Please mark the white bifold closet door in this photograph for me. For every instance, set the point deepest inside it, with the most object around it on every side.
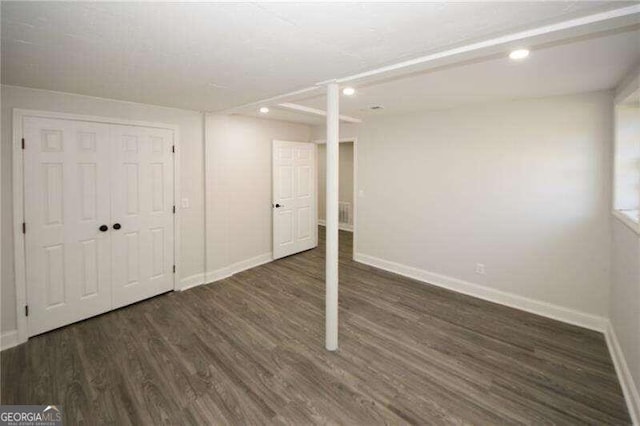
(80, 176)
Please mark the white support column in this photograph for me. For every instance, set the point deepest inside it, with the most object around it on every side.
(331, 276)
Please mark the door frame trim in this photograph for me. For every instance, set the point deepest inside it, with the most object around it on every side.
(18, 197)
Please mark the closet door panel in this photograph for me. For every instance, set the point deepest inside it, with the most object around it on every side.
(67, 200)
(142, 206)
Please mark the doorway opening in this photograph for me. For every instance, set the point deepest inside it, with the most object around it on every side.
(346, 192)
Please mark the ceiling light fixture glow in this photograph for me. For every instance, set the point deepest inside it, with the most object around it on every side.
(264, 110)
(519, 54)
(348, 91)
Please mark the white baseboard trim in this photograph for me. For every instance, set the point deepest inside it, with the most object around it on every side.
(192, 281)
(341, 226)
(560, 313)
(629, 387)
(8, 339)
(237, 267)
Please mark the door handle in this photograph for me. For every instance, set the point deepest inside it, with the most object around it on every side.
(277, 206)
(116, 226)
(103, 228)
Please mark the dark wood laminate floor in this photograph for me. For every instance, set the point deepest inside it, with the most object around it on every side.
(249, 350)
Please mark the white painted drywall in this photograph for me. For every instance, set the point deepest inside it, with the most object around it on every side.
(347, 131)
(191, 158)
(238, 186)
(345, 183)
(522, 187)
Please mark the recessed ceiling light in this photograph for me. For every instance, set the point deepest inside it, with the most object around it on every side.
(264, 110)
(349, 91)
(519, 54)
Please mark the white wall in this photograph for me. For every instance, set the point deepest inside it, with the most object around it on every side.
(522, 187)
(345, 184)
(347, 131)
(191, 158)
(238, 188)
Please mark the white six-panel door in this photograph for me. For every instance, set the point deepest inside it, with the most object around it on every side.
(66, 187)
(294, 198)
(142, 204)
(80, 176)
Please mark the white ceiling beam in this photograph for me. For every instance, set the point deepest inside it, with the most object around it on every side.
(565, 29)
(315, 111)
(272, 100)
(503, 41)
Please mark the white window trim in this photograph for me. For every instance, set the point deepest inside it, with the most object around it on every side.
(627, 220)
(626, 88)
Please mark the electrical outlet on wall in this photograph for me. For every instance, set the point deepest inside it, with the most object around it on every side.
(480, 268)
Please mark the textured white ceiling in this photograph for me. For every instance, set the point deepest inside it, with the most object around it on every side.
(208, 56)
(590, 64)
